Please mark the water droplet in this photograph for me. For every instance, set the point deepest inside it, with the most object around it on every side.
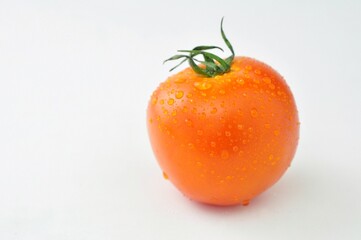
(229, 177)
(203, 85)
(191, 145)
(267, 80)
(249, 68)
(257, 71)
(170, 101)
(267, 125)
(179, 94)
(272, 86)
(235, 148)
(244, 141)
(188, 122)
(189, 95)
(200, 132)
(254, 113)
(270, 157)
(185, 109)
(174, 112)
(180, 80)
(151, 120)
(227, 133)
(240, 126)
(161, 101)
(165, 176)
(214, 110)
(225, 154)
(245, 202)
(213, 144)
(222, 91)
(154, 100)
(240, 81)
(276, 132)
(199, 164)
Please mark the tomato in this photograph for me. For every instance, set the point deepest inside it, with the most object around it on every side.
(224, 139)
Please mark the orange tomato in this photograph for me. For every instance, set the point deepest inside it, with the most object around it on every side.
(224, 140)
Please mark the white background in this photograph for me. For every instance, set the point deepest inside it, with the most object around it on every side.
(75, 79)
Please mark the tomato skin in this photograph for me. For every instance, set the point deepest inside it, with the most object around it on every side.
(224, 140)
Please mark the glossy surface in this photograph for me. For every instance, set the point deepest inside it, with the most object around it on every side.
(226, 139)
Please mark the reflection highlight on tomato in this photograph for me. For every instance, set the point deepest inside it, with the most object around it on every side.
(225, 130)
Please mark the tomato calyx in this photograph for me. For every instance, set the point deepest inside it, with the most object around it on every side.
(213, 64)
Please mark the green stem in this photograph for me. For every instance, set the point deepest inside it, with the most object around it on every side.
(214, 65)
